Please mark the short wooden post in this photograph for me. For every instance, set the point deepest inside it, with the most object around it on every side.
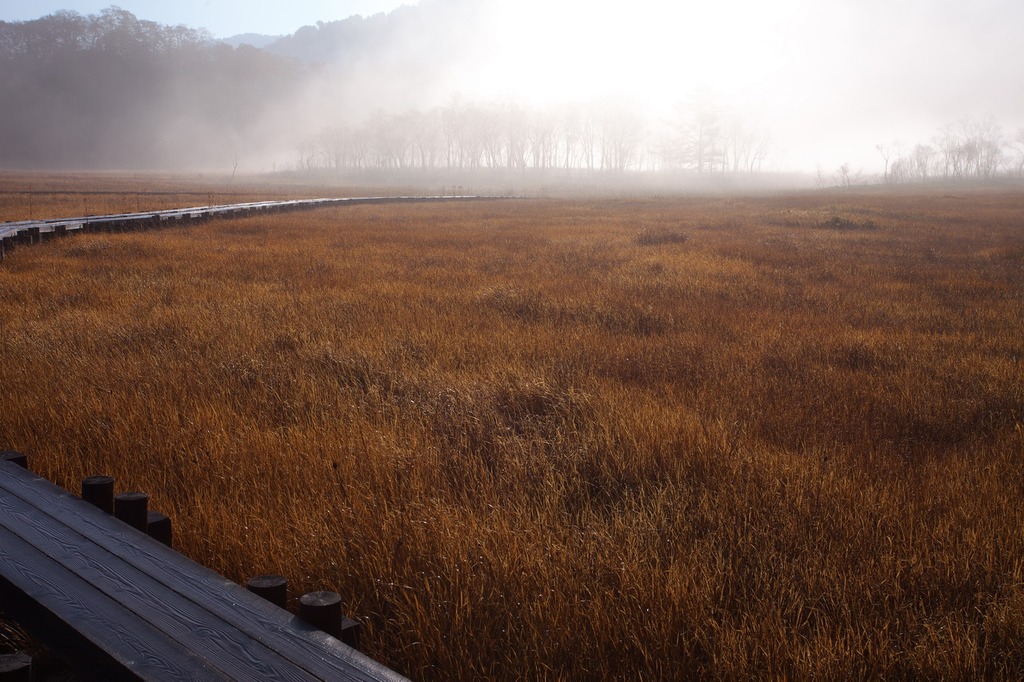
(99, 492)
(350, 630)
(159, 527)
(14, 457)
(15, 667)
(322, 610)
(132, 509)
(60, 230)
(273, 588)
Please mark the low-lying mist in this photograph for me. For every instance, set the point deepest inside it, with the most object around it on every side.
(456, 91)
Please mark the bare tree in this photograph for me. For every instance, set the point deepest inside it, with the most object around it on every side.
(620, 134)
(1017, 145)
(843, 178)
(923, 155)
(972, 147)
(886, 153)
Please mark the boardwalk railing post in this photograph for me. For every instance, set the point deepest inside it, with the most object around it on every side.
(132, 509)
(273, 588)
(159, 527)
(322, 610)
(99, 492)
(15, 457)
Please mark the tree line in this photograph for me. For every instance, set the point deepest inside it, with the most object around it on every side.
(969, 148)
(602, 135)
(113, 90)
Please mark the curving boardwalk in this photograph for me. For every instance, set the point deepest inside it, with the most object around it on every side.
(25, 232)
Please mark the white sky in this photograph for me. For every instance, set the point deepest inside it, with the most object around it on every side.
(223, 18)
(829, 78)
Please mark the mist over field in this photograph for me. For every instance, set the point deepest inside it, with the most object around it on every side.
(841, 92)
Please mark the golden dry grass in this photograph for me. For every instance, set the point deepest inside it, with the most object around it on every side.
(668, 438)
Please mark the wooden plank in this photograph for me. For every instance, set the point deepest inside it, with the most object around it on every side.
(274, 628)
(43, 596)
(173, 614)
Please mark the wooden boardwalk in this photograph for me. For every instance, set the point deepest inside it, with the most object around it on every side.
(121, 605)
(33, 231)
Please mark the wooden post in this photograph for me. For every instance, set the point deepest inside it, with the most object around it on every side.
(15, 457)
(159, 527)
(99, 491)
(60, 230)
(322, 610)
(273, 588)
(132, 509)
(350, 630)
(15, 668)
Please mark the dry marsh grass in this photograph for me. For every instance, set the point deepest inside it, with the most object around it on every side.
(669, 438)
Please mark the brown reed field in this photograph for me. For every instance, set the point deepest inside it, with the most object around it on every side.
(661, 438)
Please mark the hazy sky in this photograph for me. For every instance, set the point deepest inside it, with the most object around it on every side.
(857, 72)
(223, 18)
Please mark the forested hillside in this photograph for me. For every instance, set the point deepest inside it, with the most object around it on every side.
(112, 90)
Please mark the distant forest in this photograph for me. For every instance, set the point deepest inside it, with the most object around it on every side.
(112, 90)
(367, 96)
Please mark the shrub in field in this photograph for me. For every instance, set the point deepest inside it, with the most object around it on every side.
(845, 224)
(658, 236)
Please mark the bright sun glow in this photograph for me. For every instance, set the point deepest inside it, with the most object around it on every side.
(654, 53)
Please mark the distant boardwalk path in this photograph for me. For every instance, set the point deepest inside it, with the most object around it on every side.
(23, 232)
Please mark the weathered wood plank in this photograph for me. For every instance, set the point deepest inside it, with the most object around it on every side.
(150, 601)
(155, 569)
(45, 597)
